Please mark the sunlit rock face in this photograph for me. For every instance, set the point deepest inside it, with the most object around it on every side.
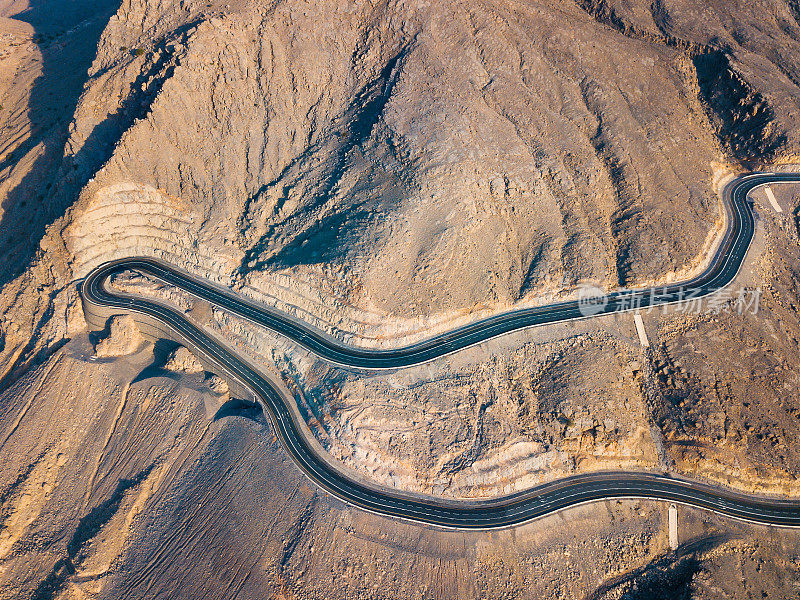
(386, 171)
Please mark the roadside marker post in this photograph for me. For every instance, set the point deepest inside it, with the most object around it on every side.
(637, 318)
(673, 527)
(772, 199)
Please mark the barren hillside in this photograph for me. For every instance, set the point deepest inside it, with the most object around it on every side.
(384, 170)
(384, 163)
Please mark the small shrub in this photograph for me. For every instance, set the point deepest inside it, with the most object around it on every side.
(137, 51)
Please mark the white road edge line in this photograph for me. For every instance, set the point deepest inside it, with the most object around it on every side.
(637, 318)
(772, 199)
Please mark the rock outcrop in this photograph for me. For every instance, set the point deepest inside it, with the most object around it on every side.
(183, 361)
(123, 338)
(218, 385)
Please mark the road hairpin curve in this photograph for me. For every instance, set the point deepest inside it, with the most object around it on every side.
(100, 302)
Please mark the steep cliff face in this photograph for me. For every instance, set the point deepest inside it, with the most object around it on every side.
(402, 160)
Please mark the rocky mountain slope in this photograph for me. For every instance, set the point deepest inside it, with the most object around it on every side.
(137, 490)
(394, 162)
(385, 169)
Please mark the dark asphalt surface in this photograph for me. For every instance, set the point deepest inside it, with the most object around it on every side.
(483, 514)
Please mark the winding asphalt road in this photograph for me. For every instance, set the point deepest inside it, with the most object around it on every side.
(483, 514)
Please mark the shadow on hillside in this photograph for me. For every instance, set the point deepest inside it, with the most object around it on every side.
(67, 34)
(667, 577)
